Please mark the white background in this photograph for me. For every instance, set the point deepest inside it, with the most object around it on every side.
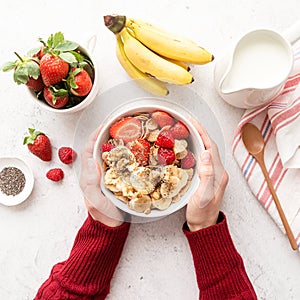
(156, 263)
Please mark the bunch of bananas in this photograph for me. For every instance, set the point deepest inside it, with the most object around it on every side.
(152, 56)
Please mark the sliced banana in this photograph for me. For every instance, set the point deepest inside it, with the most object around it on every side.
(174, 180)
(122, 161)
(140, 204)
(185, 188)
(144, 180)
(153, 156)
(180, 148)
(161, 203)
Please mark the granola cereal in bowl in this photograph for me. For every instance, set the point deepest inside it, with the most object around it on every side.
(148, 154)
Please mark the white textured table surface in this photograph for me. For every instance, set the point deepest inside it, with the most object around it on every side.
(156, 263)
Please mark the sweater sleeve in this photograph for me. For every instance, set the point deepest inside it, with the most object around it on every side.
(219, 268)
(87, 273)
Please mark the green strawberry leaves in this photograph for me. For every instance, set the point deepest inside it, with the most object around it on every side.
(32, 136)
(25, 70)
(57, 42)
(66, 46)
(58, 46)
(34, 51)
(33, 69)
(68, 57)
(83, 61)
(57, 93)
(55, 39)
(24, 67)
(8, 66)
(71, 78)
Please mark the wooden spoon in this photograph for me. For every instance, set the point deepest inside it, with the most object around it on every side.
(254, 143)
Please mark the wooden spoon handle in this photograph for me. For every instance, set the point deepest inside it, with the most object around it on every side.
(285, 223)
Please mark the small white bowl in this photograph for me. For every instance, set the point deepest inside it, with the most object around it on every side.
(85, 102)
(150, 105)
(25, 193)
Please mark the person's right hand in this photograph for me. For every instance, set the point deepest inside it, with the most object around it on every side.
(100, 208)
(204, 206)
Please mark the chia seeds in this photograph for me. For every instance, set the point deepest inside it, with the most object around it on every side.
(12, 181)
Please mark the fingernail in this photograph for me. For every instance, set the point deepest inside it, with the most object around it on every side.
(205, 156)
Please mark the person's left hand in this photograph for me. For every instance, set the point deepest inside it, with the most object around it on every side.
(100, 208)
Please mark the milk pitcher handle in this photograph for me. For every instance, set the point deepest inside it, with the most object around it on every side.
(292, 34)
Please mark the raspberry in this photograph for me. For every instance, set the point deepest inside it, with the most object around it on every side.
(165, 156)
(188, 161)
(56, 174)
(107, 147)
(67, 155)
(165, 139)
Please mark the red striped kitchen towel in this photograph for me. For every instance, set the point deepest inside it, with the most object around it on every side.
(279, 122)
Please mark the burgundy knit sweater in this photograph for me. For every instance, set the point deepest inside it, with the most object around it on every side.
(87, 273)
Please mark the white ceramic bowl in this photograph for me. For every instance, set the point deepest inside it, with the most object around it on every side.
(25, 193)
(150, 105)
(87, 100)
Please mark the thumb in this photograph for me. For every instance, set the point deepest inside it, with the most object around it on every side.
(206, 174)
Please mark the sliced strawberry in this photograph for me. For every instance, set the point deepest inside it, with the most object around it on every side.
(141, 150)
(162, 118)
(165, 156)
(165, 139)
(179, 131)
(188, 161)
(107, 147)
(127, 129)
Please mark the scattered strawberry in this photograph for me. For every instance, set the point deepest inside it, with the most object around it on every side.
(141, 150)
(188, 161)
(56, 98)
(56, 174)
(179, 131)
(53, 69)
(127, 129)
(38, 144)
(165, 139)
(79, 82)
(107, 147)
(162, 118)
(165, 156)
(67, 155)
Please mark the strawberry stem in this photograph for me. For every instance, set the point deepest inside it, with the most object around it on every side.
(19, 57)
